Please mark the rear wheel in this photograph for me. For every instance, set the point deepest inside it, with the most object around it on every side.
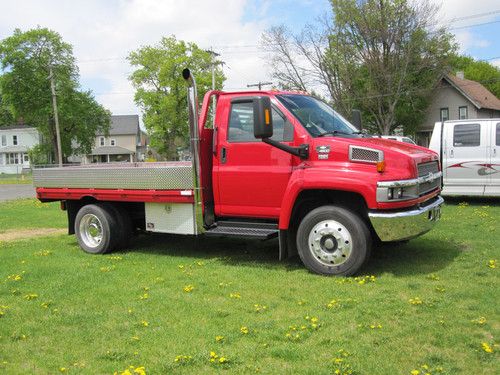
(332, 240)
(96, 229)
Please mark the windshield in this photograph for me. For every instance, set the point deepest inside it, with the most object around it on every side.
(317, 117)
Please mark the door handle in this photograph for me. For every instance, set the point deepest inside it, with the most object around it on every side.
(451, 153)
(494, 152)
(223, 155)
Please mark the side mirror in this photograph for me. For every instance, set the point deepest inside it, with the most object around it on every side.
(356, 119)
(262, 117)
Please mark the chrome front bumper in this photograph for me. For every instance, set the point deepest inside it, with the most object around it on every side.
(404, 225)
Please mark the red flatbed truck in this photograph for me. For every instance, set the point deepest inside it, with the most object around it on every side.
(276, 164)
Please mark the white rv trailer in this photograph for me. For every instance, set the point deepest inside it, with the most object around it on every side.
(470, 156)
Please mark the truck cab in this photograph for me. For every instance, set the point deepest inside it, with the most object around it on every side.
(275, 164)
(470, 155)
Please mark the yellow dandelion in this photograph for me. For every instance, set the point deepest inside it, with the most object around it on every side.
(188, 288)
(415, 301)
(30, 296)
(492, 263)
(145, 323)
(244, 330)
(486, 347)
(219, 338)
(234, 295)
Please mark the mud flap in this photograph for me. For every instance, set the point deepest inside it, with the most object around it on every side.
(283, 244)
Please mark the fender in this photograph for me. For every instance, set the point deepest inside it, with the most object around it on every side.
(354, 181)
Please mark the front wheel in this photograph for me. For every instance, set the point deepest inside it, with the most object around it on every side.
(333, 240)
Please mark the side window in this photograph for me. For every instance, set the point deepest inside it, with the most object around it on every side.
(466, 135)
(282, 128)
(498, 134)
(4, 140)
(241, 123)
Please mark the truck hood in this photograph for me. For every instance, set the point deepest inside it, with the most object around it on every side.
(401, 158)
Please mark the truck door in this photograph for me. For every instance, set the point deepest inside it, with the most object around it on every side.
(251, 176)
(466, 158)
(493, 188)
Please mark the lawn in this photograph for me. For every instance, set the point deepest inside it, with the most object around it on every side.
(178, 305)
(15, 179)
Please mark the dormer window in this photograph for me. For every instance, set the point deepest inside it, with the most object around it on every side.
(14, 140)
(112, 142)
(102, 141)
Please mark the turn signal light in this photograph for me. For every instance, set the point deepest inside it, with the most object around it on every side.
(381, 166)
(267, 116)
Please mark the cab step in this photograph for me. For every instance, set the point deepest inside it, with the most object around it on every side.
(242, 229)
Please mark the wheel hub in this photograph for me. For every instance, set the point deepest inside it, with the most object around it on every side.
(330, 243)
(91, 230)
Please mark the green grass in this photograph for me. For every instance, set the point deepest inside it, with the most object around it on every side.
(7, 179)
(94, 314)
(30, 213)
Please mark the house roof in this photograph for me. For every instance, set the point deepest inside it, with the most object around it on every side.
(16, 126)
(479, 95)
(13, 149)
(111, 150)
(124, 125)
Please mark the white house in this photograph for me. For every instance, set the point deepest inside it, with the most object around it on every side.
(125, 143)
(15, 141)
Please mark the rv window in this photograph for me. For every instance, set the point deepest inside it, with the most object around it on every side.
(498, 134)
(466, 135)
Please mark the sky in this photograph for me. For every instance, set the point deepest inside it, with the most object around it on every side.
(103, 33)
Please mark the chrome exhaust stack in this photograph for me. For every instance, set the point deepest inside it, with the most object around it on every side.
(195, 149)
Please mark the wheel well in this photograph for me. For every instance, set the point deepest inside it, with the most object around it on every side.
(310, 199)
(134, 209)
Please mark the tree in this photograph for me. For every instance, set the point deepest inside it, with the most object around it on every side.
(381, 56)
(481, 71)
(161, 90)
(26, 58)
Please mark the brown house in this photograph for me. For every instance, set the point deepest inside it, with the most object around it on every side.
(457, 98)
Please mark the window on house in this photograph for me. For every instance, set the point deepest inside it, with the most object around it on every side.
(444, 114)
(26, 158)
(102, 141)
(14, 140)
(466, 135)
(12, 158)
(463, 113)
(112, 142)
(4, 140)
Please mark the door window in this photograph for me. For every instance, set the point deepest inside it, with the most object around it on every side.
(241, 125)
(466, 135)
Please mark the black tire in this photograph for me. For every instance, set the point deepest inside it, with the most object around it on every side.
(124, 224)
(331, 249)
(94, 221)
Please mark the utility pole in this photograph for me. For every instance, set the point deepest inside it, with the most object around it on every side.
(213, 63)
(260, 84)
(56, 118)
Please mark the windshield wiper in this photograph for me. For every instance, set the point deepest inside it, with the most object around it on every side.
(333, 132)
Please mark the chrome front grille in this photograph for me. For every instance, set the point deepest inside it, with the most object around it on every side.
(424, 170)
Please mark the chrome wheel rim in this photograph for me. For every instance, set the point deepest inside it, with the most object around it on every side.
(91, 230)
(330, 243)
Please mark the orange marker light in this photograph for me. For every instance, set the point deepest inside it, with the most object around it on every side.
(381, 166)
(267, 117)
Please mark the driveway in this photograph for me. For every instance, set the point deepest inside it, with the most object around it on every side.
(16, 191)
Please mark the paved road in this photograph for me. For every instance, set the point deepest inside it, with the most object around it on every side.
(15, 191)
